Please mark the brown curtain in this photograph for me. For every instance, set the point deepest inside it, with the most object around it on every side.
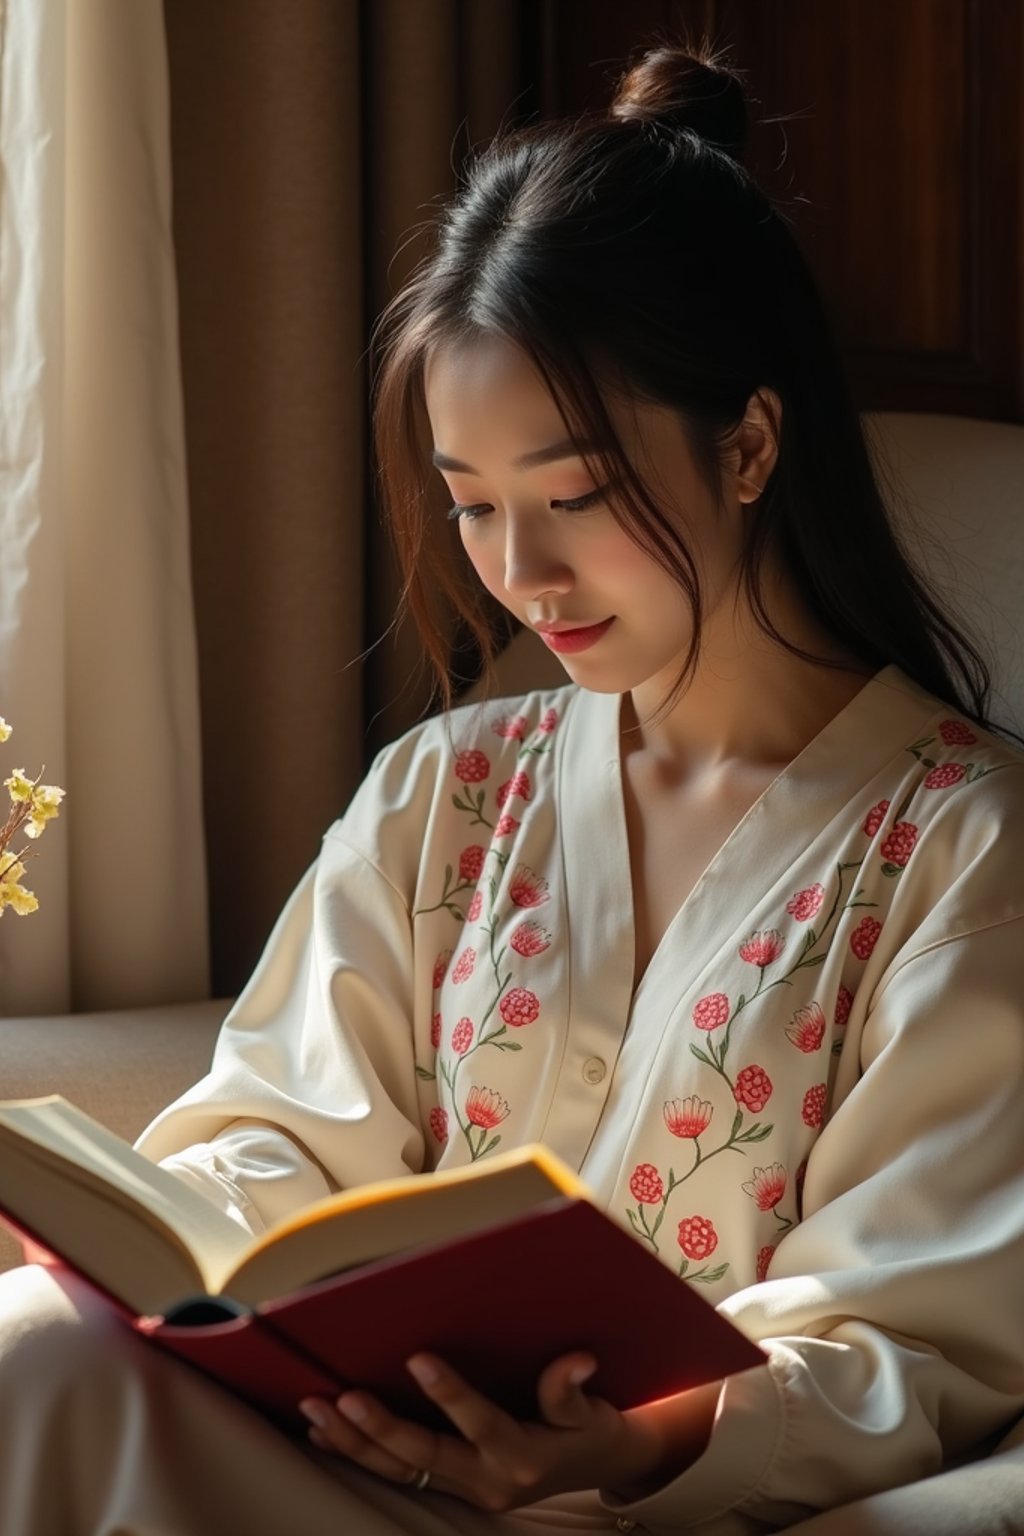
(309, 138)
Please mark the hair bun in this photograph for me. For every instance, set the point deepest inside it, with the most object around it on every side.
(683, 88)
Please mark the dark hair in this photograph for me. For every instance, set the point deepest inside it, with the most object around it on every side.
(692, 294)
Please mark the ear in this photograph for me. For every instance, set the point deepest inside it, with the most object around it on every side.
(757, 444)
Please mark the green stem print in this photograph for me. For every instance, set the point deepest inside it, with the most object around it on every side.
(480, 871)
(452, 887)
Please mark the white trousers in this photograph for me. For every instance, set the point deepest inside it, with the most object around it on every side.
(102, 1434)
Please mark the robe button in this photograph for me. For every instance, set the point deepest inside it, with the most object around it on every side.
(594, 1070)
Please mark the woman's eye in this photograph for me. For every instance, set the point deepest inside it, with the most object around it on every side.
(469, 514)
(582, 503)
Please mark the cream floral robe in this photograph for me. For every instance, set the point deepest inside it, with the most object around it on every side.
(811, 1107)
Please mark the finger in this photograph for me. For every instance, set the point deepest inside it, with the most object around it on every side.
(560, 1395)
(482, 1422)
(343, 1433)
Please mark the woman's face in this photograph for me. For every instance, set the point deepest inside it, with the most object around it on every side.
(538, 526)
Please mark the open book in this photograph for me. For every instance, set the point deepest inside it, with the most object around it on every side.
(498, 1267)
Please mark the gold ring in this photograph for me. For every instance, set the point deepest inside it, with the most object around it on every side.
(420, 1480)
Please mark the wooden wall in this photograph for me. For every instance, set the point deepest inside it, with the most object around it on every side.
(892, 133)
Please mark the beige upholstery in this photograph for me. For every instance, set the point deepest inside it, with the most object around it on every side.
(120, 1067)
(964, 517)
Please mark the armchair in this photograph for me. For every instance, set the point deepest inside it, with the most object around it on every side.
(964, 481)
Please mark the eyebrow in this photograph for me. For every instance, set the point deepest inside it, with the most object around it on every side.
(566, 449)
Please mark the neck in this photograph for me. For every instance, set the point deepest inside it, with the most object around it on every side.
(751, 704)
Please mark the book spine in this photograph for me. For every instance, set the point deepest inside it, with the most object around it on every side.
(248, 1356)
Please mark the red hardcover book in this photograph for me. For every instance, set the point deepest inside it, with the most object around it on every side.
(498, 1268)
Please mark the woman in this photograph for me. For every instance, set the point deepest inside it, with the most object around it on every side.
(747, 885)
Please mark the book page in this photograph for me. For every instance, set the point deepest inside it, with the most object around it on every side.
(64, 1176)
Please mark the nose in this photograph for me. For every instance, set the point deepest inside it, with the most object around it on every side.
(534, 562)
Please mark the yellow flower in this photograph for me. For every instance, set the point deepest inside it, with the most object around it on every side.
(35, 805)
(17, 897)
(19, 785)
(10, 869)
(13, 894)
(46, 800)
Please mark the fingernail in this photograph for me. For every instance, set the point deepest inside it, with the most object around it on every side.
(353, 1408)
(314, 1413)
(582, 1373)
(425, 1372)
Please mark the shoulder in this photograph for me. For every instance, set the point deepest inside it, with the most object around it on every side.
(476, 751)
(957, 838)
(474, 742)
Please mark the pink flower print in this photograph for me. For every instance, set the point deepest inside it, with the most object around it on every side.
(530, 938)
(486, 1108)
(844, 1002)
(646, 1184)
(435, 1031)
(471, 862)
(753, 1088)
(472, 767)
(527, 889)
(807, 1030)
(475, 906)
(439, 1124)
(764, 1258)
(945, 775)
(807, 903)
(688, 1118)
(462, 1036)
(548, 721)
(767, 1187)
(441, 967)
(519, 784)
(875, 817)
(697, 1237)
(956, 734)
(711, 1011)
(506, 826)
(512, 727)
(464, 965)
(519, 1007)
(762, 947)
(812, 1112)
(899, 845)
(865, 936)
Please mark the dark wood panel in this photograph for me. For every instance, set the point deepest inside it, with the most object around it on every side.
(587, 43)
(891, 133)
(878, 146)
(909, 150)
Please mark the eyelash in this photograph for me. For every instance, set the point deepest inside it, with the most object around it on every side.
(576, 504)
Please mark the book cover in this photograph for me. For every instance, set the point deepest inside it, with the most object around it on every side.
(499, 1306)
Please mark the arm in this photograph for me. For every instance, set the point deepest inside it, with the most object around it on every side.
(312, 1086)
(892, 1312)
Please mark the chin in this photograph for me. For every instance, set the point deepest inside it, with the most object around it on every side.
(600, 679)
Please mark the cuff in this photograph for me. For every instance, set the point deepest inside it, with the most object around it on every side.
(199, 1167)
(709, 1496)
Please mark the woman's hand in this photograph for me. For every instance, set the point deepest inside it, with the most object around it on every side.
(498, 1463)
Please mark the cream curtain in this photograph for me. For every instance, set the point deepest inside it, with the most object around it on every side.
(97, 656)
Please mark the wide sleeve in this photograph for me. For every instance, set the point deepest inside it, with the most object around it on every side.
(312, 1086)
(892, 1315)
